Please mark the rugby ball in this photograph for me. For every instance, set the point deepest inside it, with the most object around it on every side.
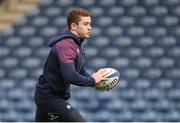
(110, 81)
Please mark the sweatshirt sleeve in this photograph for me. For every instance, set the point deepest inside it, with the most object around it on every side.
(84, 72)
(67, 53)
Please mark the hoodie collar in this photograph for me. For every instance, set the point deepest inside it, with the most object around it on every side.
(66, 34)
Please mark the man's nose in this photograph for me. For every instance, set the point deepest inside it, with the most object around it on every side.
(89, 27)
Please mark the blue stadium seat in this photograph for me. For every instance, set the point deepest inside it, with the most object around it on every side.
(159, 11)
(27, 31)
(24, 106)
(40, 21)
(125, 116)
(20, 21)
(148, 21)
(110, 52)
(149, 116)
(104, 21)
(127, 2)
(163, 106)
(59, 21)
(128, 95)
(114, 31)
(23, 52)
(151, 2)
(96, 11)
(52, 12)
(2, 73)
(90, 52)
(125, 21)
(131, 73)
(172, 116)
(31, 62)
(165, 84)
(137, 11)
(155, 52)
(35, 42)
(152, 95)
(97, 63)
(142, 83)
(103, 116)
(174, 95)
(4, 51)
(18, 73)
(7, 84)
(120, 63)
(174, 52)
(28, 84)
(13, 41)
(10, 116)
(42, 52)
(122, 42)
(86, 3)
(64, 3)
(4, 106)
(16, 95)
(176, 11)
(115, 106)
(116, 11)
(142, 63)
(152, 73)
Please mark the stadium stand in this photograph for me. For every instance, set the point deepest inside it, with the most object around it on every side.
(137, 37)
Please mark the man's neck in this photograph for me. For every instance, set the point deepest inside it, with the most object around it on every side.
(74, 33)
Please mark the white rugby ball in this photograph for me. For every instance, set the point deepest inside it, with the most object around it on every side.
(110, 81)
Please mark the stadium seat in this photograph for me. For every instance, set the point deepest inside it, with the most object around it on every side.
(127, 2)
(4, 106)
(126, 21)
(165, 83)
(10, 116)
(4, 51)
(115, 106)
(23, 52)
(149, 116)
(18, 73)
(39, 21)
(174, 95)
(139, 105)
(16, 95)
(148, 21)
(35, 42)
(152, 94)
(64, 3)
(110, 52)
(24, 106)
(125, 116)
(13, 41)
(122, 42)
(142, 83)
(115, 11)
(172, 116)
(137, 11)
(120, 63)
(7, 84)
(96, 11)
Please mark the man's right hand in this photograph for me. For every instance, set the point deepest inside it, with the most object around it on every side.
(100, 75)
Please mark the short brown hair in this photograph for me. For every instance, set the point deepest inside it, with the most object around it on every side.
(75, 14)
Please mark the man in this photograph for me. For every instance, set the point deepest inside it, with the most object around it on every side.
(64, 66)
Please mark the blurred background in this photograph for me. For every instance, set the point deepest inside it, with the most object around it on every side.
(140, 38)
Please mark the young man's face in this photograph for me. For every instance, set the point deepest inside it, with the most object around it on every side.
(83, 28)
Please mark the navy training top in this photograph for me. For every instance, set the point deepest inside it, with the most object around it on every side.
(64, 66)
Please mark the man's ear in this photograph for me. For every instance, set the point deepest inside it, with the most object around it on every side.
(73, 26)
